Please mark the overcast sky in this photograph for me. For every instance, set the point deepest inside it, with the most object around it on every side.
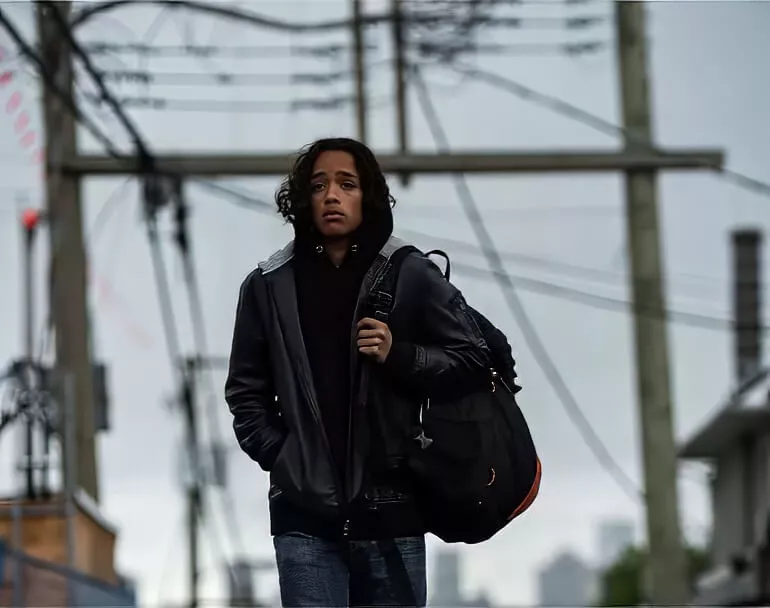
(710, 86)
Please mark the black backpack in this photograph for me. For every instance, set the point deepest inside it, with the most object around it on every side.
(474, 458)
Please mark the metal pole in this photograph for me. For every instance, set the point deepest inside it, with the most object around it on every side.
(193, 491)
(667, 567)
(18, 546)
(29, 225)
(28, 263)
(359, 68)
(399, 60)
(69, 438)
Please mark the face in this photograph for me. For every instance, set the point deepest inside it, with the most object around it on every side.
(336, 197)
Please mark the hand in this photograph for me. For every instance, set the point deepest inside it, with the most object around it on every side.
(374, 339)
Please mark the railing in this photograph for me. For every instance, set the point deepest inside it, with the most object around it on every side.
(31, 582)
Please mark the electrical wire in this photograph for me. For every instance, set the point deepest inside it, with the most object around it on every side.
(153, 196)
(527, 328)
(110, 204)
(149, 103)
(569, 110)
(50, 82)
(255, 19)
(197, 318)
(206, 51)
(138, 141)
(427, 48)
(145, 77)
(595, 300)
(524, 283)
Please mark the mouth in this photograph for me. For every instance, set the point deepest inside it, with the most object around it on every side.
(333, 215)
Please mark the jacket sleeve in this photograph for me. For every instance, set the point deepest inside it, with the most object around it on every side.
(249, 388)
(453, 354)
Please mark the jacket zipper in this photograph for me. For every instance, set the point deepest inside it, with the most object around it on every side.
(363, 292)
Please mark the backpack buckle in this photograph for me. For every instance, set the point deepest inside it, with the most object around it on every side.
(425, 442)
(384, 298)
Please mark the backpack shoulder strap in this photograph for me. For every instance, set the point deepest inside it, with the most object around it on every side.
(442, 254)
(384, 288)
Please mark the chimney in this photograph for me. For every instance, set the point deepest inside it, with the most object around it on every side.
(747, 302)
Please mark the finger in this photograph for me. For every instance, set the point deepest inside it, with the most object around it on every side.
(368, 322)
(372, 333)
(369, 342)
(368, 350)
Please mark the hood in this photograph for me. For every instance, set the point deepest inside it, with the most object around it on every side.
(371, 236)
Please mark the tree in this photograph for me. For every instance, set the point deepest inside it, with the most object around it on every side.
(622, 584)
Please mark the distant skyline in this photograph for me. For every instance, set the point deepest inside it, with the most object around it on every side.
(614, 537)
(567, 580)
(708, 61)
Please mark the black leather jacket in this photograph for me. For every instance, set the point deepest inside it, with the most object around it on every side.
(270, 392)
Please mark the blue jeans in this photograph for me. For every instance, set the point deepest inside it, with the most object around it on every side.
(316, 573)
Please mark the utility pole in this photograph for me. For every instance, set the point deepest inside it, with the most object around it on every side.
(68, 296)
(359, 68)
(30, 222)
(189, 372)
(667, 567)
(399, 61)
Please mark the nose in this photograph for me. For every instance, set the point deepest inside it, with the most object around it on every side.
(332, 194)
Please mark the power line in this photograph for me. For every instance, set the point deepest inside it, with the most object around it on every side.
(595, 300)
(150, 103)
(106, 95)
(530, 334)
(595, 122)
(197, 319)
(50, 82)
(333, 51)
(154, 198)
(451, 50)
(540, 286)
(255, 19)
(207, 51)
(146, 77)
(109, 205)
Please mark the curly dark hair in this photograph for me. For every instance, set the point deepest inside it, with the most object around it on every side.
(293, 196)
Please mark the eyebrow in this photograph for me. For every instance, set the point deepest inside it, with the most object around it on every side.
(318, 174)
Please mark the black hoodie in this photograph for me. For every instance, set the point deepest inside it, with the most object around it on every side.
(327, 297)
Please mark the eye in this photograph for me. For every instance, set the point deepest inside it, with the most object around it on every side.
(317, 187)
(349, 185)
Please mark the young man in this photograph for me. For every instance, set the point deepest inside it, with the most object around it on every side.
(326, 398)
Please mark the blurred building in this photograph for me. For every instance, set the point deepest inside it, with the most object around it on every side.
(446, 579)
(615, 536)
(446, 584)
(242, 582)
(736, 443)
(566, 581)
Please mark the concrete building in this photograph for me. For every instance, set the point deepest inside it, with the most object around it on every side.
(567, 581)
(736, 443)
(615, 536)
(446, 584)
(446, 580)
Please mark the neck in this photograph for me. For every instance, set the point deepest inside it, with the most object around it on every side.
(336, 249)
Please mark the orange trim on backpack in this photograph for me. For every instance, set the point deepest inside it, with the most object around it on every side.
(531, 495)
